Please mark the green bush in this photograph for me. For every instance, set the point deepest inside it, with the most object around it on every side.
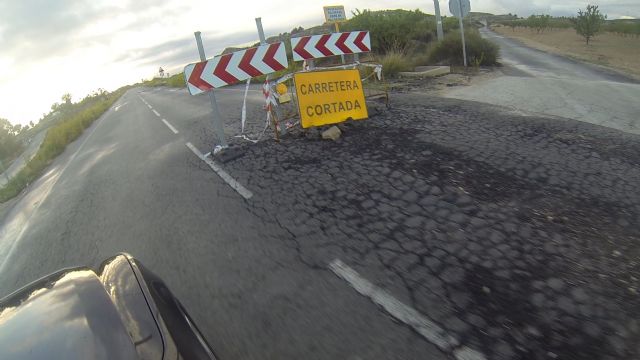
(479, 51)
(155, 82)
(451, 23)
(176, 80)
(393, 63)
(589, 22)
(560, 23)
(539, 22)
(393, 30)
(80, 116)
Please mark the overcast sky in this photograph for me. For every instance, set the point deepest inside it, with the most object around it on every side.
(48, 47)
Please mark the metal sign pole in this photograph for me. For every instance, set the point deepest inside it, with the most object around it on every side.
(436, 5)
(217, 118)
(464, 46)
(263, 40)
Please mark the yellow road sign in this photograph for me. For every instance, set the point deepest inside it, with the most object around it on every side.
(330, 97)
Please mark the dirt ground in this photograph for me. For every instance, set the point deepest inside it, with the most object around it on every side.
(440, 85)
(621, 53)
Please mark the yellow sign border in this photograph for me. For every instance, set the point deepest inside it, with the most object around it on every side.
(357, 100)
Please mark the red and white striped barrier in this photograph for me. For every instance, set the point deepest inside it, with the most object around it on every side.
(235, 67)
(319, 46)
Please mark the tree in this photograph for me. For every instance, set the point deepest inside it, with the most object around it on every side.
(394, 31)
(9, 145)
(589, 22)
(539, 22)
(66, 98)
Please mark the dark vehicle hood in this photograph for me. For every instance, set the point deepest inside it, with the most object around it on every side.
(81, 314)
(66, 315)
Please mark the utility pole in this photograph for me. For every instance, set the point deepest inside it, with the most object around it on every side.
(436, 6)
(464, 46)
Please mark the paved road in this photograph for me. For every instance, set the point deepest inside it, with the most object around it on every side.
(440, 229)
(130, 184)
(538, 82)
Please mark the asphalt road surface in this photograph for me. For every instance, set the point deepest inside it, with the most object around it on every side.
(439, 229)
(130, 184)
(539, 82)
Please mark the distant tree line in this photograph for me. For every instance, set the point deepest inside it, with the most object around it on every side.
(10, 146)
(588, 23)
(13, 137)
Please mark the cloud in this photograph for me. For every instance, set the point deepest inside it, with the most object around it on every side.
(53, 47)
(36, 27)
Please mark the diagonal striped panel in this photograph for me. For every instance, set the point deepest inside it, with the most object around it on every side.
(319, 46)
(231, 68)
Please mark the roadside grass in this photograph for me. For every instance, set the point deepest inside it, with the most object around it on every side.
(176, 81)
(57, 139)
(394, 62)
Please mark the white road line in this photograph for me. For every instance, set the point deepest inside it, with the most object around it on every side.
(175, 131)
(149, 106)
(155, 112)
(408, 315)
(244, 192)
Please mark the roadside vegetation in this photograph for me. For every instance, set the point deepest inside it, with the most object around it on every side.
(10, 144)
(394, 62)
(176, 80)
(589, 20)
(588, 36)
(479, 51)
(71, 120)
(402, 40)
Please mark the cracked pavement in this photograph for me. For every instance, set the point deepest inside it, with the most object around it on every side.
(515, 233)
